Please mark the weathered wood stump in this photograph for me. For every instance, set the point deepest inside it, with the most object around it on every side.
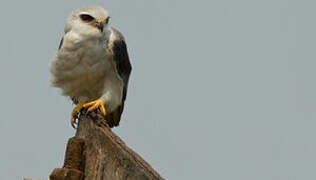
(96, 153)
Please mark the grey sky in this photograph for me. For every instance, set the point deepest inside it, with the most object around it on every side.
(219, 89)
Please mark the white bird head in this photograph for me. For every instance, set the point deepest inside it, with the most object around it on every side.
(90, 21)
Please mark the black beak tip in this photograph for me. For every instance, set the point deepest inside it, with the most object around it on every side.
(101, 26)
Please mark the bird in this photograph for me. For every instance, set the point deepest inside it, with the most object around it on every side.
(92, 65)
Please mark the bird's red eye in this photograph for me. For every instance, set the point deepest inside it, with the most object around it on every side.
(86, 18)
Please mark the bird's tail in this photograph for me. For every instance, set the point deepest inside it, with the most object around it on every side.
(113, 119)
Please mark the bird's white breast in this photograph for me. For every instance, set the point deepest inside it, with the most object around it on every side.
(82, 66)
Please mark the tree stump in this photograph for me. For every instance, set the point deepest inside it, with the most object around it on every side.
(96, 153)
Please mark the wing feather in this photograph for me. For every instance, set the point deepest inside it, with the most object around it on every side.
(61, 43)
(124, 68)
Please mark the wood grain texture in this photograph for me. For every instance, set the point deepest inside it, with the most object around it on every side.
(96, 153)
(107, 156)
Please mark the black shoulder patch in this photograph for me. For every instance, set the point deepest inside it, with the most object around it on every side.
(124, 69)
(61, 43)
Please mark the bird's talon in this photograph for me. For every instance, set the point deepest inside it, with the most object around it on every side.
(73, 122)
(75, 114)
(97, 104)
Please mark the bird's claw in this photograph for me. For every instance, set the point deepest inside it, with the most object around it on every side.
(97, 104)
(75, 114)
(91, 106)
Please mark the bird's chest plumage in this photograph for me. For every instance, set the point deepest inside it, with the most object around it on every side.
(81, 68)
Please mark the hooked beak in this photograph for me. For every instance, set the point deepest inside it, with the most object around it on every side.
(100, 26)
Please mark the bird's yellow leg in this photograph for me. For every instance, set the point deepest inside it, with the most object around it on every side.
(75, 112)
(97, 104)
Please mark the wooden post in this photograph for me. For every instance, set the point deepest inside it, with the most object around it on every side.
(96, 153)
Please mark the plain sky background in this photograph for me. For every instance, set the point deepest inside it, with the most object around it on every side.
(220, 89)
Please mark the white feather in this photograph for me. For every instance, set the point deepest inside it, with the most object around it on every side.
(84, 66)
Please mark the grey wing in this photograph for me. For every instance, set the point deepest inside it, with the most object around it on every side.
(61, 43)
(124, 69)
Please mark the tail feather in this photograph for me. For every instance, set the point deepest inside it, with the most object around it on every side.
(113, 119)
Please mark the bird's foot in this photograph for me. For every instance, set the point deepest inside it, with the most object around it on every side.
(75, 112)
(97, 104)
